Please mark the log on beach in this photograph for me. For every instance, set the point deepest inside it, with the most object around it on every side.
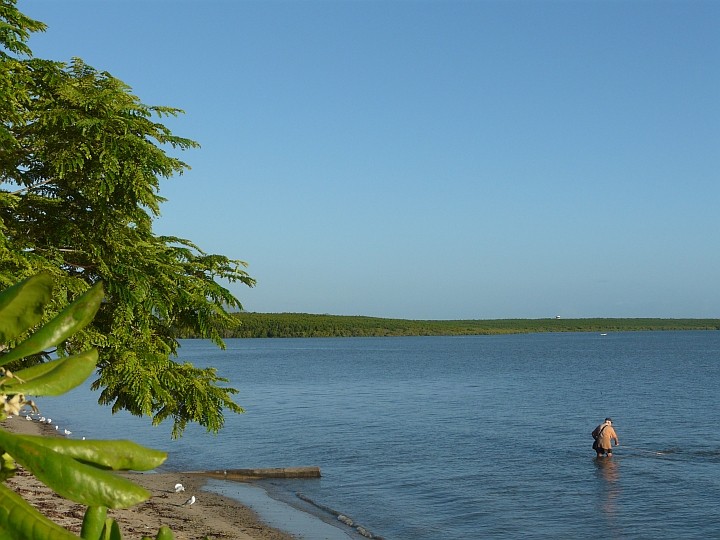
(257, 474)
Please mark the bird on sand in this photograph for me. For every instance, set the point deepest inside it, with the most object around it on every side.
(179, 488)
(191, 500)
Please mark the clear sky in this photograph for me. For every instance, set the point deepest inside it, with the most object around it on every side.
(433, 160)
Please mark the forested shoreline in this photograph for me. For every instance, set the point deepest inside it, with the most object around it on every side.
(281, 325)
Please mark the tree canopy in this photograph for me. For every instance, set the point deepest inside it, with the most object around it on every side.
(81, 160)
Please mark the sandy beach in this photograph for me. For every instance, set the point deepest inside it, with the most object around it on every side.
(212, 515)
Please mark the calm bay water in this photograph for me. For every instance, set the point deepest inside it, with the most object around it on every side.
(466, 437)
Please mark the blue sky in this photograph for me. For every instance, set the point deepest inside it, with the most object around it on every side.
(433, 160)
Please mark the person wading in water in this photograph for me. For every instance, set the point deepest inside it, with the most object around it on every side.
(604, 435)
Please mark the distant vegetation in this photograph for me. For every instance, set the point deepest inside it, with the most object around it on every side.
(265, 325)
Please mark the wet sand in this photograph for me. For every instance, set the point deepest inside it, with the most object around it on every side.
(212, 515)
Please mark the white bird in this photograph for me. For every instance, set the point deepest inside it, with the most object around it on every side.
(28, 417)
(67, 432)
(191, 500)
(57, 427)
(42, 419)
(179, 488)
(48, 421)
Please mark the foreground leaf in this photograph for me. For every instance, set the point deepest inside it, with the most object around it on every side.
(70, 320)
(56, 377)
(93, 522)
(20, 521)
(165, 533)
(115, 455)
(21, 306)
(111, 531)
(71, 479)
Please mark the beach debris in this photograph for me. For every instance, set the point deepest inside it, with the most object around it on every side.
(179, 488)
(274, 472)
(346, 520)
(190, 501)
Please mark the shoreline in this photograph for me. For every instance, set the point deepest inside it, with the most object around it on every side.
(212, 515)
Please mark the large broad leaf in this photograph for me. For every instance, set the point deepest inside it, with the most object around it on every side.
(165, 534)
(20, 521)
(21, 306)
(5, 535)
(53, 378)
(71, 479)
(116, 455)
(111, 531)
(70, 320)
(93, 522)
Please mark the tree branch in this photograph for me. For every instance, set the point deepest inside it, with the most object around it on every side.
(28, 188)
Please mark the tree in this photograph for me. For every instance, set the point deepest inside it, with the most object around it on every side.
(80, 167)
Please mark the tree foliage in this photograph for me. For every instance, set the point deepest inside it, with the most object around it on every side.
(297, 325)
(80, 169)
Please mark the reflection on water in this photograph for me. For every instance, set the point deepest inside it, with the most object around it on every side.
(608, 472)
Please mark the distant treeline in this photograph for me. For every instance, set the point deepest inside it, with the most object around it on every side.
(275, 325)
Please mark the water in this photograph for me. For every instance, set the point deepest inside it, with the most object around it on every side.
(466, 437)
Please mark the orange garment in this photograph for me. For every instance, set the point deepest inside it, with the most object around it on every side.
(604, 434)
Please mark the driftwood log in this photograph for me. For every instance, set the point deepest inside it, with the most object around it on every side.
(255, 474)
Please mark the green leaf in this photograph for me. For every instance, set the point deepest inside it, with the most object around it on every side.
(21, 306)
(56, 377)
(70, 320)
(93, 522)
(111, 531)
(165, 533)
(23, 522)
(71, 479)
(115, 455)
(8, 467)
(5, 535)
